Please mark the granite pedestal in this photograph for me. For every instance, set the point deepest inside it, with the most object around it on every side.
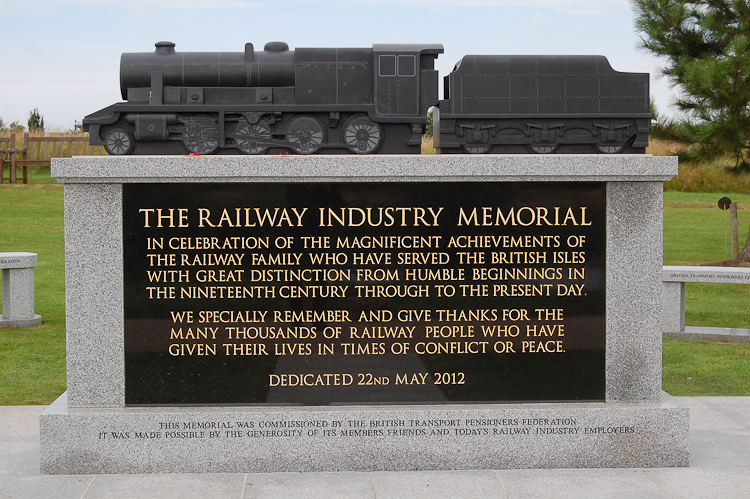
(91, 430)
(18, 290)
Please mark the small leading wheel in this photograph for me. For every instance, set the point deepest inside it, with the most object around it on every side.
(119, 142)
(251, 138)
(362, 136)
(475, 149)
(543, 149)
(306, 133)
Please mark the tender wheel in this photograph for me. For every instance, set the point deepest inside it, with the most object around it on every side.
(119, 142)
(545, 149)
(201, 137)
(306, 133)
(609, 149)
(362, 136)
(253, 137)
(475, 149)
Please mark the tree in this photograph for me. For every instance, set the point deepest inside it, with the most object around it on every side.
(428, 127)
(36, 121)
(707, 48)
(16, 127)
(2, 124)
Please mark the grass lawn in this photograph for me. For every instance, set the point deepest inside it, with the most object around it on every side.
(694, 235)
(32, 361)
(692, 368)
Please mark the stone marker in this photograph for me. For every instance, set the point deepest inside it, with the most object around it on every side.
(363, 313)
(675, 277)
(18, 290)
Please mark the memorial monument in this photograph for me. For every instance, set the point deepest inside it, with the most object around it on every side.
(368, 310)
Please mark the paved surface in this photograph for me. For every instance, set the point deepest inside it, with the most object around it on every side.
(719, 455)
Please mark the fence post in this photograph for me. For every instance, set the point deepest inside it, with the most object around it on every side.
(3, 160)
(26, 153)
(734, 230)
(13, 167)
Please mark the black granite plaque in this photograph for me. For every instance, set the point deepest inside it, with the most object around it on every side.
(325, 293)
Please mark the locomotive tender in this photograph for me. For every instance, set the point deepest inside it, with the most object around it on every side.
(543, 105)
(368, 101)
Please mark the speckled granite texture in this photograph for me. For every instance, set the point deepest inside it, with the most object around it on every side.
(634, 291)
(18, 290)
(449, 168)
(726, 275)
(72, 428)
(359, 438)
(93, 295)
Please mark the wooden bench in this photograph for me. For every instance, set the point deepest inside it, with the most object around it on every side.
(38, 151)
(673, 303)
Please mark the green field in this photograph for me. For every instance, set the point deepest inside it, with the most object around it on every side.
(694, 235)
(32, 361)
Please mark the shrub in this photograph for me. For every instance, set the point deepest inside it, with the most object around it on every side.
(36, 121)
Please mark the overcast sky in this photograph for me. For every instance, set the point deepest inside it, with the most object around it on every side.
(62, 56)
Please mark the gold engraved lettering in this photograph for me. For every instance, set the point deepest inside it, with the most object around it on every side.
(381, 332)
(375, 217)
(542, 346)
(523, 216)
(198, 349)
(252, 217)
(189, 334)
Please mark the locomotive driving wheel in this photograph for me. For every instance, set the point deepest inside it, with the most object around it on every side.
(306, 133)
(362, 136)
(609, 148)
(474, 149)
(251, 138)
(543, 149)
(201, 135)
(119, 142)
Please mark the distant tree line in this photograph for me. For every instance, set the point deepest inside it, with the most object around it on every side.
(35, 123)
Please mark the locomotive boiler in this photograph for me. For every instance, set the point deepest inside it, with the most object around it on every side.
(542, 104)
(275, 101)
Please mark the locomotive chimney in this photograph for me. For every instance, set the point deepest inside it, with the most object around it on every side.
(164, 48)
(249, 52)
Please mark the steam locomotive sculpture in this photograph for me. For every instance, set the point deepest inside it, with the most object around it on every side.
(368, 101)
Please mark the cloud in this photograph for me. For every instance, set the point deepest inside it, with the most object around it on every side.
(16, 5)
(539, 19)
(581, 7)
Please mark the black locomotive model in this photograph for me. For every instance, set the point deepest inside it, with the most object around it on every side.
(368, 101)
(544, 105)
(332, 101)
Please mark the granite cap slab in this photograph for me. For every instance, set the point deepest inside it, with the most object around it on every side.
(17, 260)
(707, 274)
(448, 168)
